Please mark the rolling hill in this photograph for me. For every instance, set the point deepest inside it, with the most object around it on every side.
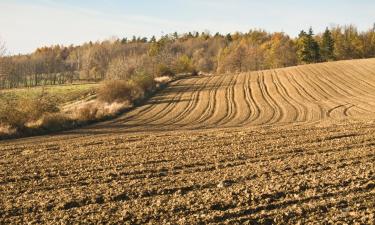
(278, 146)
(305, 94)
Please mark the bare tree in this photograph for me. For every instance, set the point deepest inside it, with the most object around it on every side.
(2, 48)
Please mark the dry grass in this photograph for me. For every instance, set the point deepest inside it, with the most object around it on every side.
(98, 110)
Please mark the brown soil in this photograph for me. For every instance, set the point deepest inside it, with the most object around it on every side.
(282, 146)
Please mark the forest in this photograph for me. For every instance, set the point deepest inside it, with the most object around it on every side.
(175, 53)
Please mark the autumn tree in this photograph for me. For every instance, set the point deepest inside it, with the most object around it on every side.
(279, 51)
(348, 43)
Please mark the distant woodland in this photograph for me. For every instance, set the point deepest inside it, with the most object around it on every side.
(175, 53)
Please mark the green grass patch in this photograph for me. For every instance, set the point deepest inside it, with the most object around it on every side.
(62, 94)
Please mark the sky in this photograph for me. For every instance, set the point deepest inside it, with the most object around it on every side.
(28, 24)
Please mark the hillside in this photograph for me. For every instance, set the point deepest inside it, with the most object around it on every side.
(306, 94)
(292, 145)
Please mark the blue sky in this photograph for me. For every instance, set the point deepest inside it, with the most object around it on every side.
(28, 24)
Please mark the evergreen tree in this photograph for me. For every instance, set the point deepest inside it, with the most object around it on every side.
(303, 52)
(314, 47)
(327, 46)
(229, 38)
(308, 50)
(175, 35)
(190, 35)
(124, 41)
(153, 39)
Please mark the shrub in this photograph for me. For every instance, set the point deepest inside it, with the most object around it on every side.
(87, 112)
(6, 129)
(118, 91)
(164, 70)
(17, 113)
(35, 108)
(184, 65)
(56, 122)
(144, 81)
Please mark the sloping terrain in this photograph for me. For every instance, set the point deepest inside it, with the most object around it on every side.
(281, 146)
(304, 94)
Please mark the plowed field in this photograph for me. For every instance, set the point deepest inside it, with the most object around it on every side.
(277, 146)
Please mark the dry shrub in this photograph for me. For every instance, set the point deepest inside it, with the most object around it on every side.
(111, 109)
(97, 110)
(87, 112)
(118, 91)
(164, 70)
(163, 79)
(55, 122)
(37, 107)
(19, 112)
(6, 129)
(144, 81)
(11, 115)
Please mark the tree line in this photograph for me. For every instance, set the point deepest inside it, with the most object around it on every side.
(182, 53)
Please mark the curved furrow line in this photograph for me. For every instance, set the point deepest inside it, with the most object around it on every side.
(227, 102)
(300, 87)
(368, 69)
(366, 74)
(193, 102)
(210, 109)
(312, 110)
(361, 86)
(330, 111)
(291, 109)
(251, 95)
(300, 109)
(246, 108)
(332, 90)
(308, 100)
(219, 105)
(266, 111)
(342, 85)
(277, 113)
(316, 87)
(249, 101)
(191, 117)
(346, 110)
(345, 80)
(329, 99)
(138, 112)
(307, 92)
(166, 109)
(144, 115)
(323, 79)
(242, 108)
(232, 102)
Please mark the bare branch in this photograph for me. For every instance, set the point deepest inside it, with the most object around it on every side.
(2, 48)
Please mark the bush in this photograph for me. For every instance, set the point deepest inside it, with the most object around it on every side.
(144, 81)
(87, 112)
(118, 91)
(18, 112)
(35, 108)
(164, 70)
(184, 65)
(12, 115)
(56, 122)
